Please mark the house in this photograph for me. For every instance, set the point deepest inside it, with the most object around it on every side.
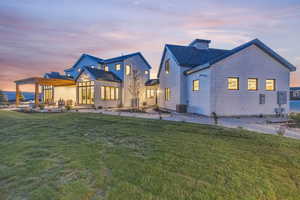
(295, 93)
(107, 83)
(250, 79)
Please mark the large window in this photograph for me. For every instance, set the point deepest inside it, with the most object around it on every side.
(167, 66)
(167, 94)
(48, 94)
(118, 67)
(196, 85)
(128, 69)
(106, 68)
(109, 93)
(233, 83)
(270, 84)
(252, 84)
(85, 92)
(150, 93)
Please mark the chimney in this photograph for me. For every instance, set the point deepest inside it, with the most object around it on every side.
(200, 44)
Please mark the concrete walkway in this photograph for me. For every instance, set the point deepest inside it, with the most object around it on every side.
(248, 123)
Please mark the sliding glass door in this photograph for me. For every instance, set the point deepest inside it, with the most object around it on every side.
(85, 92)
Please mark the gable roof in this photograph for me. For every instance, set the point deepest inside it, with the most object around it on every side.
(124, 57)
(110, 60)
(101, 75)
(256, 42)
(82, 57)
(190, 56)
(263, 47)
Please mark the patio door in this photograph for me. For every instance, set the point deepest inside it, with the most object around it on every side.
(85, 92)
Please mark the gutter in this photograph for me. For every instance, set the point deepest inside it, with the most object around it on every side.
(196, 69)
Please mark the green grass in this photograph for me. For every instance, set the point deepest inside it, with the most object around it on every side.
(74, 156)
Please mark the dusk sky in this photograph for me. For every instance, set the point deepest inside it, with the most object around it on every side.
(38, 36)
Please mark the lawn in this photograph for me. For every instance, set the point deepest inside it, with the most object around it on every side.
(74, 156)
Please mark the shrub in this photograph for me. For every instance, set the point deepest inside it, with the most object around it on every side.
(68, 107)
(42, 106)
(296, 118)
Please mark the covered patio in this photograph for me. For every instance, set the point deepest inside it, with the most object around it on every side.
(37, 82)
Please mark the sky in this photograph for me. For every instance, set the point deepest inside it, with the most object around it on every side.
(39, 36)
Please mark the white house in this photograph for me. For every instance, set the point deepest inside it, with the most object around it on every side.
(103, 82)
(248, 80)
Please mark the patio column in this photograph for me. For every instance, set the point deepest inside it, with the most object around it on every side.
(36, 94)
(17, 95)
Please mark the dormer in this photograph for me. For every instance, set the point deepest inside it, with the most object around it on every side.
(200, 44)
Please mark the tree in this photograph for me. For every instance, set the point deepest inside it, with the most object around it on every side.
(3, 98)
(134, 87)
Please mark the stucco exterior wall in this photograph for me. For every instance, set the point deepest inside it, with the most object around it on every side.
(106, 103)
(136, 63)
(171, 80)
(199, 101)
(251, 62)
(65, 93)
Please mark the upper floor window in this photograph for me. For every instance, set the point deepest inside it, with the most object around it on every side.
(118, 67)
(167, 66)
(146, 72)
(196, 85)
(233, 83)
(106, 68)
(79, 70)
(99, 66)
(167, 94)
(127, 69)
(270, 84)
(252, 84)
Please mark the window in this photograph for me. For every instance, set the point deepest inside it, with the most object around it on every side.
(167, 94)
(106, 68)
(127, 69)
(150, 93)
(118, 67)
(233, 83)
(109, 93)
(85, 92)
(79, 70)
(270, 84)
(167, 66)
(262, 99)
(99, 66)
(146, 72)
(196, 85)
(48, 94)
(252, 84)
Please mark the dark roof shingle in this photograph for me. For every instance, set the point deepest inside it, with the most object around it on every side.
(191, 56)
(102, 75)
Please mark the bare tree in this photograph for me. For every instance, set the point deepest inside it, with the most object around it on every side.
(134, 87)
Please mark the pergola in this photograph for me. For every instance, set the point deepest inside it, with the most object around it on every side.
(38, 81)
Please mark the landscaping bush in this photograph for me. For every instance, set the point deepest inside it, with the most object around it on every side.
(68, 107)
(42, 106)
(296, 119)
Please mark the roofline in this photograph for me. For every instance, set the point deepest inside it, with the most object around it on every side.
(163, 56)
(255, 42)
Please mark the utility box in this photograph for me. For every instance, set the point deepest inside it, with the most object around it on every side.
(282, 97)
(181, 108)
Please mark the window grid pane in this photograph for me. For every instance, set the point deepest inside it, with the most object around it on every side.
(233, 83)
(270, 84)
(196, 85)
(252, 84)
